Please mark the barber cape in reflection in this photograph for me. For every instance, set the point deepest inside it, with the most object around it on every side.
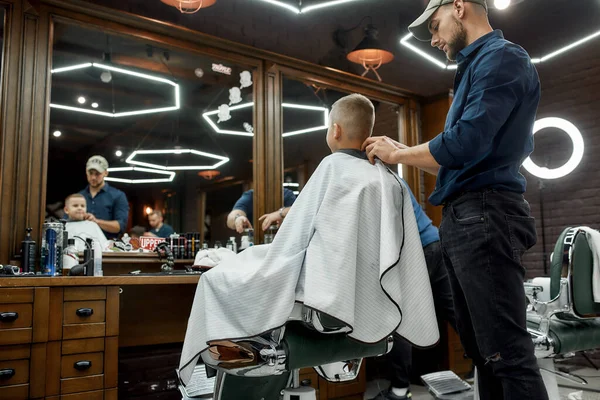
(349, 247)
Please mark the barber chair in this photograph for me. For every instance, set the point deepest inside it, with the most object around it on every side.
(267, 367)
(565, 320)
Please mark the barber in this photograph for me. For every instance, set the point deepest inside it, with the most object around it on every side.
(107, 206)
(242, 213)
(486, 224)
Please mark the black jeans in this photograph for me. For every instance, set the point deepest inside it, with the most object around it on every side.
(484, 235)
(399, 359)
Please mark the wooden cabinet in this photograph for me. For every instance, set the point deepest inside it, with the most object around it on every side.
(59, 342)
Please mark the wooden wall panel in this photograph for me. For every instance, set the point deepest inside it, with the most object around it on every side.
(433, 118)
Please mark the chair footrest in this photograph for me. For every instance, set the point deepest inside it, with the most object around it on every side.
(447, 385)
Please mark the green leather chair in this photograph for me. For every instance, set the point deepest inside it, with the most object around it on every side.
(569, 321)
(267, 367)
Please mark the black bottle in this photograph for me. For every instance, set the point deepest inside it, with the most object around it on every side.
(28, 250)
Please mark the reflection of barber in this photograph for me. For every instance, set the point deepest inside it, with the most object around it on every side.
(106, 205)
(242, 213)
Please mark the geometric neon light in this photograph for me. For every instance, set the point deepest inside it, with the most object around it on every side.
(170, 175)
(301, 10)
(123, 71)
(131, 159)
(216, 128)
(405, 43)
(569, 166)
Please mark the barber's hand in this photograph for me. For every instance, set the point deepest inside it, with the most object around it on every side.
(384, 148)
(270, 219)
(241, 223)
(90, 217)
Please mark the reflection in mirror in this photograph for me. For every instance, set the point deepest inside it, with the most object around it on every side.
(172, 132)
(304, 151)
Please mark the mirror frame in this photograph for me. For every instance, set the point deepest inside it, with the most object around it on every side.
(25, 129)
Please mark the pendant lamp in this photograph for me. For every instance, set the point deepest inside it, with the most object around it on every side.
(189, 6)
(370, 53)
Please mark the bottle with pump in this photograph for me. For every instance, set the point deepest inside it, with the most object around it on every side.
(28, 251)
(234, 244)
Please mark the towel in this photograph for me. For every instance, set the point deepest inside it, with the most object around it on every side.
(212, 257)
(593, 238)
(349, 247)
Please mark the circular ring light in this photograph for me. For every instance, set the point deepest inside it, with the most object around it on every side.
(569, 166)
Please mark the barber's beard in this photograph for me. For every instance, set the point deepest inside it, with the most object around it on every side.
(458, 42)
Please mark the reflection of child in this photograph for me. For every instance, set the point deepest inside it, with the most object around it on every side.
(75, 209)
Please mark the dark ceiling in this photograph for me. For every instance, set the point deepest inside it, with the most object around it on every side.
(540, 26)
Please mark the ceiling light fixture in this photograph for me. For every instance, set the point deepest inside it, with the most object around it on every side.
(501, 4)
(324, 110)
(56, 133)
(118, 153)
(94, 105)
(370, 53)
(576, 157)
(303, 10)
(170, 175)
(222, 160)
(176, 106)
(81, 100)
(189, 6)
(405, 43)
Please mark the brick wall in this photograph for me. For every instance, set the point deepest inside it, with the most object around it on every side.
(570, 90)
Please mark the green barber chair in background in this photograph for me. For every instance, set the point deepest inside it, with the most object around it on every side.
(565, 320)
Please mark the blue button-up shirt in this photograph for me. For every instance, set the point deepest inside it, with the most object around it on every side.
(246, 202)
(489, 128)
(109, 204)
(427, 231)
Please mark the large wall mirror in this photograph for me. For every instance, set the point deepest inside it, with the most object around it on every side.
(174, 127)
(305, 110)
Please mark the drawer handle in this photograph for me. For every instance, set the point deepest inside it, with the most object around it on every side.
(82, 365)
(9, 316)
(85, 312)
(7, 373)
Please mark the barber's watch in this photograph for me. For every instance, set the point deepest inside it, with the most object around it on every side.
(281, 212)
(236, 217)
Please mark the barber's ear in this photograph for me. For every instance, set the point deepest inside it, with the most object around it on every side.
(459, 8)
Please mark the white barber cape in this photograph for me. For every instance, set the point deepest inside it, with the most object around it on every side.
(349, 247)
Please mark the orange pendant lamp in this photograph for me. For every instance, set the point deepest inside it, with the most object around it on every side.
(370, 53)
(189, 6)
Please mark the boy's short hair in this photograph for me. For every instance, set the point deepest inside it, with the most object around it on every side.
(73, 196)
(355, 114)
(157, 213)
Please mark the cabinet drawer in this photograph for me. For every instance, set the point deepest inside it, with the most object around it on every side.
(84, 312)
(85, 293)
(82, 346)
(14, 372)
(77, 365)
(16, 392)
(16, 295)
(86, 384)
(15, 316)
(16, 323)
(95, 395)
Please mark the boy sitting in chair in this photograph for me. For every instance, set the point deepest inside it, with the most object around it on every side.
(349, 248)
(76, 210)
